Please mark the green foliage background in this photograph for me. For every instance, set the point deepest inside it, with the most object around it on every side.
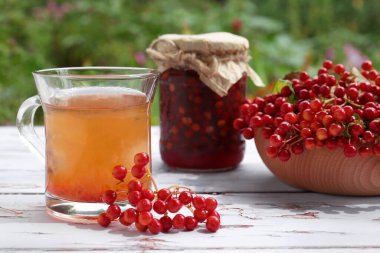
(285, 35)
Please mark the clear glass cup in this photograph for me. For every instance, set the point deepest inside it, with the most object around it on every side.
(95, 118)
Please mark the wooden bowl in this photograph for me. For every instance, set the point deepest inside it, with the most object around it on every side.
(326, 171)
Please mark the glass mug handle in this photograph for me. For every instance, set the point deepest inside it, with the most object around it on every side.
(25, 125)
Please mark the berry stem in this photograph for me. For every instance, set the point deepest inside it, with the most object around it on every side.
(354, 104)
(153, 182)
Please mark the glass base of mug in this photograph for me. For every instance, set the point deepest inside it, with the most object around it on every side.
(75, 212)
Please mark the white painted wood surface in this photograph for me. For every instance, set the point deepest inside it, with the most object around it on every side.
(259, 214)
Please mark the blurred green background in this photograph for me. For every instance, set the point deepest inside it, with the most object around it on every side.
(285, 35)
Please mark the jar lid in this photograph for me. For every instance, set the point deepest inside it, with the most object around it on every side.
(206, 44)
(220, 58)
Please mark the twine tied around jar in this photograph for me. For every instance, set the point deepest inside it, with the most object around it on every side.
(220, 58)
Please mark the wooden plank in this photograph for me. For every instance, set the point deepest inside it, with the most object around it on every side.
(303, 222)
(21, 172)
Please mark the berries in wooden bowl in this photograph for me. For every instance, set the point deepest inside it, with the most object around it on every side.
(320, 133)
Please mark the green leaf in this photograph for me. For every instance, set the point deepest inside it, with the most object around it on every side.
(281, 84)
(358, 75)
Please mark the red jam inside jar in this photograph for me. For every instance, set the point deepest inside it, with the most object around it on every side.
(197, 124)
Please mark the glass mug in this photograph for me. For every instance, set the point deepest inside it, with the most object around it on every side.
(95, 118)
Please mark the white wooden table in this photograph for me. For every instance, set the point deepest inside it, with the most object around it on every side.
(259, 213)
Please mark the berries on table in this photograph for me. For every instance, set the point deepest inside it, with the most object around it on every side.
(336, 108)
(164, 202)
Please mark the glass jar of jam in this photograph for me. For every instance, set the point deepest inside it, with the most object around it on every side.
(202, 86)
(196, 123)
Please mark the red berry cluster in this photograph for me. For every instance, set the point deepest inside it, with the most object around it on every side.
(162, 202)
(337, 108)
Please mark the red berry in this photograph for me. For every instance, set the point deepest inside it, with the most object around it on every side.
(353, 93)
(213, 213)
(140, 227)
(327, 120)
(284, 155)
(190, 223)
(275, 140)
(285, 91)
(309, 143)
(134, 185)
(174, 205)
(322, 78)
(374, 126)
(109, 197)
(304, 76)
(290, 117)
(327, 64)
(200, 215)
(185, 197)
(119, 172)
(134, 197)
(269, 109)
(350, 151)
(369, 113)
(335, 129)
(147, 194)
(212, 224)
(297, 148)
(166, 222)
(248, 133)
(141, 159)
(199, 202)
(365, 151)
(368, 136)
(271, 152)
(103, 220)
(144, 205)
(211, 204)
(267, 119)
(138, 171)
(179, 221)
(256, 122)
(159, 206)
(367, 65)
(155, 226)
(130, 215)
(339, 69)
(303, 106)
(372, 75)
(238, 124)
(164, 194)
(244, 109)
(122, 219)
(308, 115)
(113, 211)
(316, 105)
(376, 149)
(144, 218)
(356, 130)
(339, 92)
(284, 128)
(305, 132)
(339, 114)
(321, 134)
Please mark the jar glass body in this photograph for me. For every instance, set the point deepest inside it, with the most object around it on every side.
(197, 124)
